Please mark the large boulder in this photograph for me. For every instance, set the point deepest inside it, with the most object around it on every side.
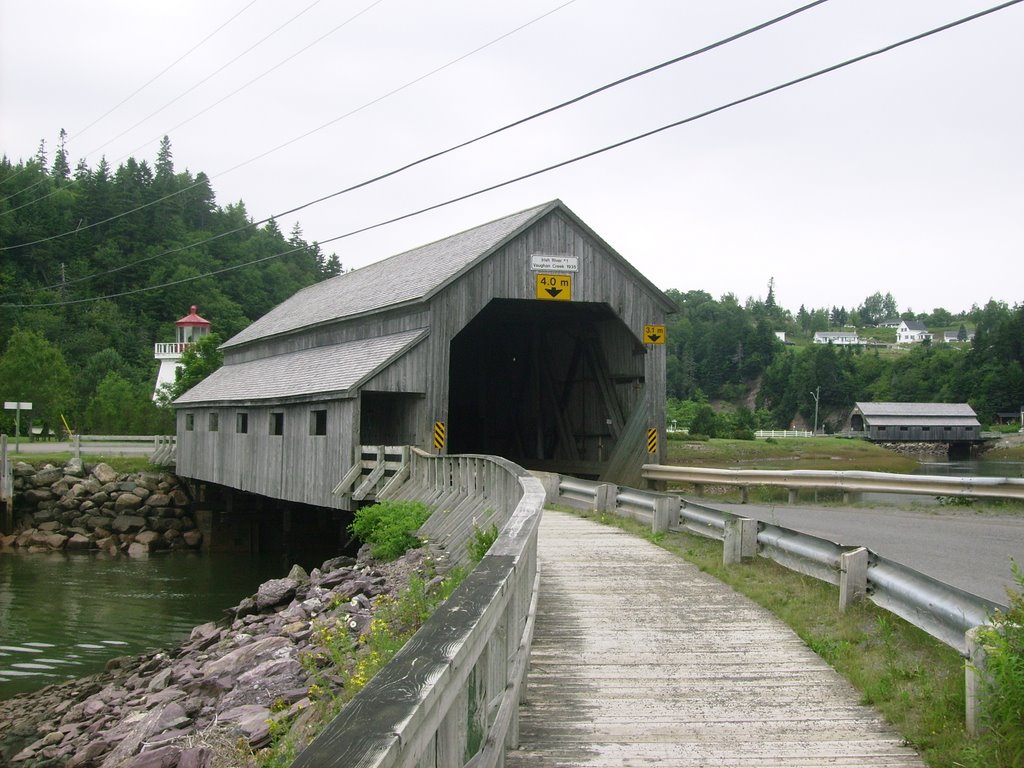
(127, 501)
(104, 473)
(275, 592)
(128, 523)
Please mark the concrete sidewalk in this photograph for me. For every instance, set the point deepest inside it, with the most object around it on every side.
(641, 659)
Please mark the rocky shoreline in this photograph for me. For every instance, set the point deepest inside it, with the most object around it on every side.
(199, 704)
(80, 506)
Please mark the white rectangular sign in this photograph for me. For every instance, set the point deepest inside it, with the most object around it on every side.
(546, 262)
(17, 406)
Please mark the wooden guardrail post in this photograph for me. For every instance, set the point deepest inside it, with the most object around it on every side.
(853, 577)
(793, 494)
(740, 540)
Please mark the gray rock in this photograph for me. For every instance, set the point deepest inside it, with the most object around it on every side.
(246, 657)
(135, 549)
(127, 501)
(162, 757)
(104, 474)
(251, 720)
(197, 757)
(275, 592)
(74, 467)
(78, 541)
(128, 523)
(47, 476)
(37, 495)
(159, 500)
(133, 730)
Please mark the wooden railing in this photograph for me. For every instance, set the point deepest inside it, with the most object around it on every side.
(450, 697)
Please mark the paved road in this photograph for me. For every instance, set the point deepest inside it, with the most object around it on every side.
(107, 449)
(967, 549)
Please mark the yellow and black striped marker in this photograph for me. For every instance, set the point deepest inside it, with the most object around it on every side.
(439, 435)
(652, 440)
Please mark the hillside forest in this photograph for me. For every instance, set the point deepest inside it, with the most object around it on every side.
(97, 263)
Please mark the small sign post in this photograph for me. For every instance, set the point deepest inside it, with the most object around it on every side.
(17, 407)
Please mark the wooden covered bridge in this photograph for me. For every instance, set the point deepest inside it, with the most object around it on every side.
(527, 337)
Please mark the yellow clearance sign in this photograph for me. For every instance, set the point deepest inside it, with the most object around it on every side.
(654, 334)
(554, 287)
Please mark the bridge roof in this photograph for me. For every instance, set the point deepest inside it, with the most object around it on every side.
(405, 277)
(906, 414)
(334, 370)
(408, 277)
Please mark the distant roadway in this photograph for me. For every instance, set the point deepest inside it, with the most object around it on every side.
(966, 549)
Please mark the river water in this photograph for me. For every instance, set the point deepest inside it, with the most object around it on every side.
(64, 615)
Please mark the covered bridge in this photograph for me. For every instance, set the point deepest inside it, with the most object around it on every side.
(528, 337)
(916, 422)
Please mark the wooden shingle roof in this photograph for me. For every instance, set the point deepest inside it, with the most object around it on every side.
(332, 370)
(406, 277)
(409, 277)
(917, 413)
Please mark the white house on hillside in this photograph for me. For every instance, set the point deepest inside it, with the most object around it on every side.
(912, 332)
(951, 337)
(836, 337)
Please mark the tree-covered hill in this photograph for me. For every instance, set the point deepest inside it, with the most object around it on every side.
(96, 264)
(77, 247)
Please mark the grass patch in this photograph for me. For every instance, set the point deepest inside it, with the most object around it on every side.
(124, 464)
(789, 453)
(914, 680)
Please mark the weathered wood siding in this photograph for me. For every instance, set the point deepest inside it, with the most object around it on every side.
(301, 467)
(372, 326)
(295, 466)
(601, 279)
(919, 434)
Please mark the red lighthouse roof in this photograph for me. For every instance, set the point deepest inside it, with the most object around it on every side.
(193, 319)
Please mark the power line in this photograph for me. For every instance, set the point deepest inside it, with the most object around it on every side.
(435, 155)
(135, 93)
(211, 75)
(291, 141)
(163, 72)
(564, 163)
(182, 95)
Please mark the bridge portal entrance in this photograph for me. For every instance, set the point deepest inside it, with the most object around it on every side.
(548, 385)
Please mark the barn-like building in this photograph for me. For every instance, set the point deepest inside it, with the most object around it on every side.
(528, 337)
(916, 422)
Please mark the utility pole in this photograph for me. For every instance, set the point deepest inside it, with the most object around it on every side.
(814, 394)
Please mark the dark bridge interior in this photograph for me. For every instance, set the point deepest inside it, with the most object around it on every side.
(549, 385)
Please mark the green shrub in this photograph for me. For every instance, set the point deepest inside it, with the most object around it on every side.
(482, 539)
(1003, 744)
(390, 527)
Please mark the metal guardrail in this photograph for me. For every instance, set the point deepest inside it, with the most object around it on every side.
(942, 610)
(455, 686)
(845, 481)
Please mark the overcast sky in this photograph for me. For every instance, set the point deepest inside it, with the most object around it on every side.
(901, 174)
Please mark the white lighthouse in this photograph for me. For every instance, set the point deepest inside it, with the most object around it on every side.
(190, 329)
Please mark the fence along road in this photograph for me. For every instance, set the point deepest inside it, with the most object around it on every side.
(640, 658)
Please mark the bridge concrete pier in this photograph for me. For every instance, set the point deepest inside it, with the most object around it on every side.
(639, 658)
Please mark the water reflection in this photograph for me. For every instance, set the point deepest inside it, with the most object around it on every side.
(64, 615)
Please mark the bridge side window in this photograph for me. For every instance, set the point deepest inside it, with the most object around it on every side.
(318, 422)
(277, 423)
(190, 422)
(242, 423)
(214, 422)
